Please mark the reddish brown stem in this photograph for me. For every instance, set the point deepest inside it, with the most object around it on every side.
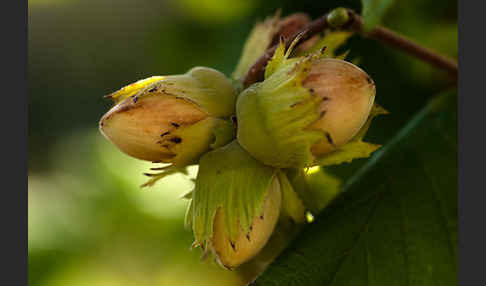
(355, 23)
(256, 71)
(406, 45)
(401, 43)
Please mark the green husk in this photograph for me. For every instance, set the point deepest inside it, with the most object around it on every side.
(188, 216)
(272, 115)
(208, 133)
(208, 88)
(332, 40)
(131, 89)
(230, 179)
(292, 205)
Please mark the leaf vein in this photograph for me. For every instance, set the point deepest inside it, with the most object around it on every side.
(440, 208)
(356, 240)
(404, 243)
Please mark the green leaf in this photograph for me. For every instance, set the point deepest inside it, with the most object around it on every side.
(395, 222)
(373, 11)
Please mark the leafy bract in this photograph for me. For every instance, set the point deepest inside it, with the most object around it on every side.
(208, 88)
(131, 89)
(273, 114)
(292, 205)
(332, 40)
(230, 179)
(196, 142)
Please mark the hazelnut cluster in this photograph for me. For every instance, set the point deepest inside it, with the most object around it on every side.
(312, 109)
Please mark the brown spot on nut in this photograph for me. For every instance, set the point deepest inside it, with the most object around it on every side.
(176, 140)
(329, 138)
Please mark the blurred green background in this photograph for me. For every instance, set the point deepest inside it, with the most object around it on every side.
(89, 222)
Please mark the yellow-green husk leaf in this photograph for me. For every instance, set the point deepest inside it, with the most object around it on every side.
(172, 119)
(278, 59)
(231, 180)
(132, 89)
(208, 88)
(196, 139)
(332, 40)
(224, 132)
(232, 253)
(188, 216)
(272, 115)
(292, 205)
(348, 152)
